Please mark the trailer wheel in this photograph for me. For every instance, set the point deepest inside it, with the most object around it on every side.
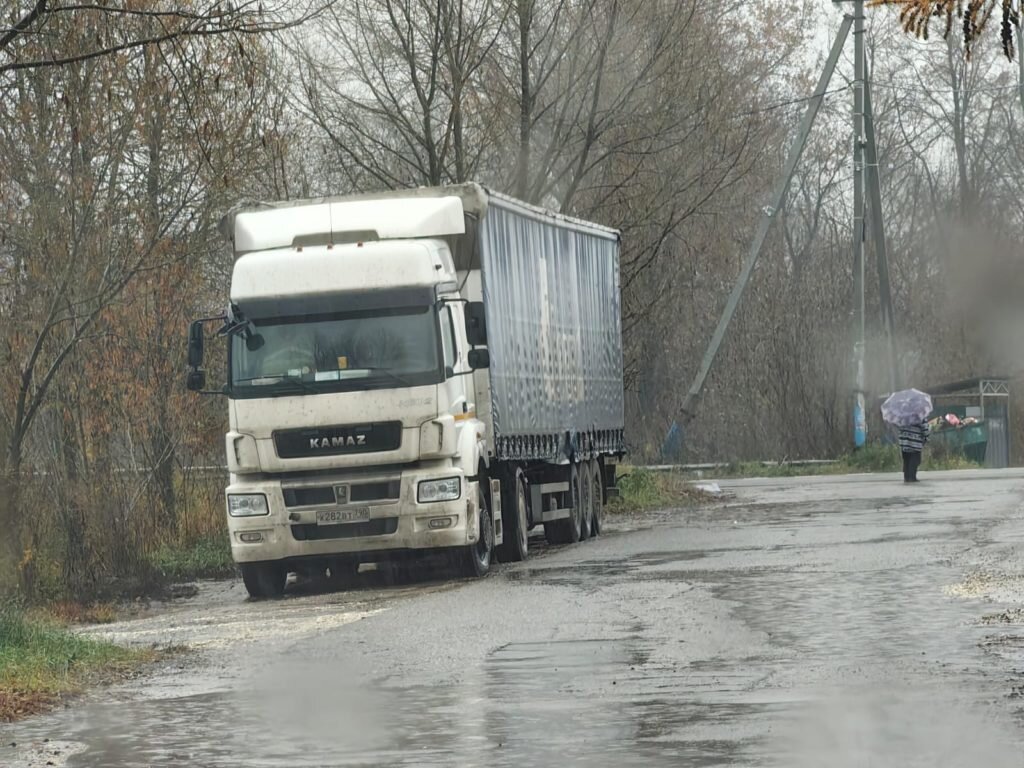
(568, 531)
(476, 558)
(585, 496)
(263, 580)
(596, 497)
(516, 546)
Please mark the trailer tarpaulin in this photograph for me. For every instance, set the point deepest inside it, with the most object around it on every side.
(551, 292)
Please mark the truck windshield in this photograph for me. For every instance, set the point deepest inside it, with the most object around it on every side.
(375, 349)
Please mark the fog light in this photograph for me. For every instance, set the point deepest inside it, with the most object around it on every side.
(440, 522)
(251, 537)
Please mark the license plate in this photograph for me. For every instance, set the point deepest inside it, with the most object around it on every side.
(341, 516)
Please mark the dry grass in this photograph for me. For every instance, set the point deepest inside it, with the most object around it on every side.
(66, 612)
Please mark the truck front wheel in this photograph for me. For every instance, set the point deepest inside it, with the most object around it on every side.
(516, 546)
(263, 580)
(476, 558)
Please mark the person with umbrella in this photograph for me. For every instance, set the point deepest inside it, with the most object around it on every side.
(908, 410)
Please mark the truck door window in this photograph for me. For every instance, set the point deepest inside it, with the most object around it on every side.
(448, 338)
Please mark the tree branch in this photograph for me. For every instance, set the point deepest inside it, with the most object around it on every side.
(22, 24)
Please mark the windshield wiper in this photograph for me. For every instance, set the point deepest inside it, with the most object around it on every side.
(276, 379)
(401, 380)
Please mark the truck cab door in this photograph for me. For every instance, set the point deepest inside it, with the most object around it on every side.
(456, 396)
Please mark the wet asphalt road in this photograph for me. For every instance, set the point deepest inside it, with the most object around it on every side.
(820, 622)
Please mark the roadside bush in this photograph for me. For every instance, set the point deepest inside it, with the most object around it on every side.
(209, 557)
(642, 489)
(81, 546)
(639, 488)
(874, 457)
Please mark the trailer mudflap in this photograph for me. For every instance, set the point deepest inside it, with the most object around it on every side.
(611, 487)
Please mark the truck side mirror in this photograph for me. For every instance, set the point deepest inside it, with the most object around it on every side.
(476, 324)
(478, 359)
(254, 342)
(195, 344)
(195, 381)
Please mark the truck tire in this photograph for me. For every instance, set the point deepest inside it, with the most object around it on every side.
(597, 497)
(264, 580)
(514, 517)
(476, 558)
(568, 531)
(585, 496)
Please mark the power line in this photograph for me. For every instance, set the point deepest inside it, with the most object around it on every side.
(791, 102)
(939, 92)
(890, 86)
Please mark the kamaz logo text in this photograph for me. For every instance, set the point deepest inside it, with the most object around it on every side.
(337, 442)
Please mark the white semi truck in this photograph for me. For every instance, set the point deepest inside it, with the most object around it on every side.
(415, 371)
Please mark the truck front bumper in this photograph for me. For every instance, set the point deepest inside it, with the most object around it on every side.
(290, 531)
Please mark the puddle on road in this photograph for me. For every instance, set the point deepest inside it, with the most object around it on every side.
(851, 656)
(881, 605)
(606, 705)
(588, 573)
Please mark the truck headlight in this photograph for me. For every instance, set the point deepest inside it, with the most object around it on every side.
(448, 489)
(247, 505)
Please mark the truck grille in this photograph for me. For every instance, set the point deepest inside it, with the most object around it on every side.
(390, 489)
(340, 440)
(381, 526)
(324, 495)
(307, 497)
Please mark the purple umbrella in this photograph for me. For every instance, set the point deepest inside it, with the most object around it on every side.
(907, 407)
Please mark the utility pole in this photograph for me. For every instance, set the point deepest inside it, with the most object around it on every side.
(877, 219)
(860, 430)
(865, 162)
(768, 216)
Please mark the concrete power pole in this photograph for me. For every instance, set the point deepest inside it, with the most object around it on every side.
(865, 167)
(860, 430)
(876, 217)
(768, 216)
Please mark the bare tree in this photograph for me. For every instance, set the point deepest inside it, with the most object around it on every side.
(390, 83)
(116, 168)
(38, 31)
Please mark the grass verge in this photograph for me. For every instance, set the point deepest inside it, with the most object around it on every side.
(40, 663)
(208, 558)
(642, 490)
(67, 612)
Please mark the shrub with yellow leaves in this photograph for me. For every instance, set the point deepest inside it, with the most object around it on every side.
(972, 16)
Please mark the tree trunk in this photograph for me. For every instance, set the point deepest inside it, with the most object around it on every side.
(525, 8)
(10, 550)
(163, 469)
